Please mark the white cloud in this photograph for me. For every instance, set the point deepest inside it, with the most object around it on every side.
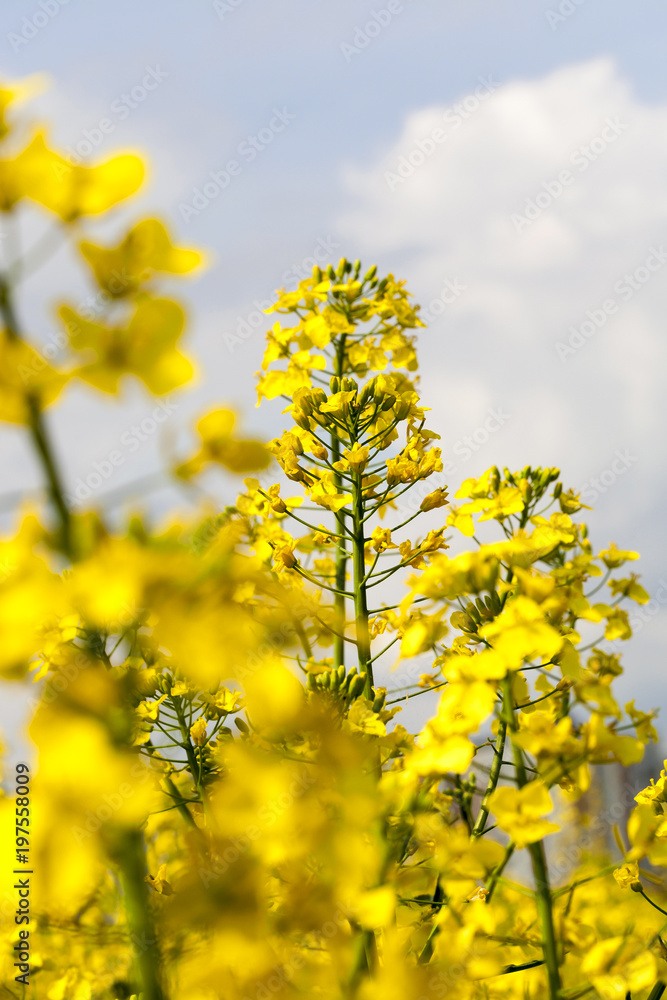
(450, 217)
(458, 212)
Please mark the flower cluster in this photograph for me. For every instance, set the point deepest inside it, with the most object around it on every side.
(225, 803)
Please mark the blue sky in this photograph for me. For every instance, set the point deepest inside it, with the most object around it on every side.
(353, 103)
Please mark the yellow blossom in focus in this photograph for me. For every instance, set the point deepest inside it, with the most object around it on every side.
(627, 876)
(438, 498)
(198, 733)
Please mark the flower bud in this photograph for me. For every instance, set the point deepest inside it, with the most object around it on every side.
(301, 420)
(367, 393)
(357, 686)
(436, 499)
(378, 704)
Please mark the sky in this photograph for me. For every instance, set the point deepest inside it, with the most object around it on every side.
(508, 159)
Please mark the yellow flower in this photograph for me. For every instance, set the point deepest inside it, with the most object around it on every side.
(297, 376)
(17, 90)
(438, 498)
(325, 493)
(463, 707)
(627, 876)
(613, 557)
(71, 191)
(219, 445)
(120, 271)
(198, 732)
(283, 556)
(630, 588)
(437, 757)
(159, 883)
(422, 633)
(381, 539)
(508, 501)
(461, 518)
(357, 458)
(25, 374)
(375, 908)
(30, 598)
(223, 702)
(521, 632)
(338, 404)
(145, 348)
(520, 812)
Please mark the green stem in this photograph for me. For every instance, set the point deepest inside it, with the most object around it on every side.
(494, 776)
(43, 447)
(37, 426)
(498, 870)
(193, 765)
(427, 951)
(656, 992)
(131, 860)
(543, 896)
(360, 601)
(654, 905)
(341, 548)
